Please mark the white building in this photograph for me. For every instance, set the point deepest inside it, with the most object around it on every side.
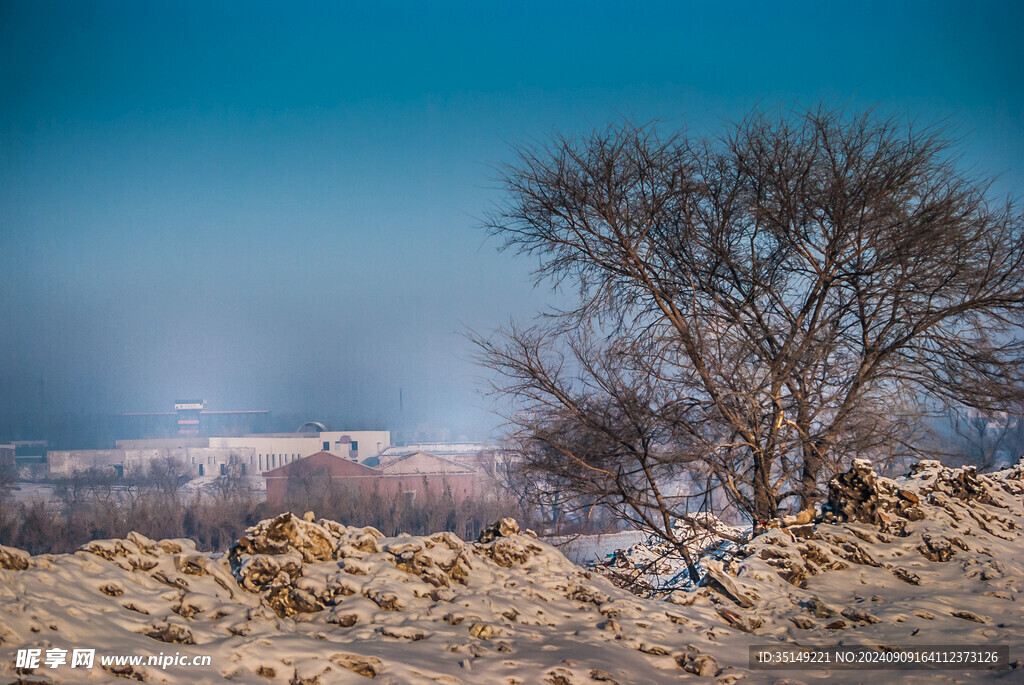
(210, 456)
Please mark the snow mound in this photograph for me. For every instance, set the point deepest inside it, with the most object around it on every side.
(304, 601)
(932, 558)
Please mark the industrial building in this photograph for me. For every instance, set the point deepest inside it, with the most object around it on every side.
(190, 418)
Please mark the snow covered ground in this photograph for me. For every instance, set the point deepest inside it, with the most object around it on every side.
(931, 559)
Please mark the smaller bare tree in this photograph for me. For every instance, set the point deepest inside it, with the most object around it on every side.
(985, 440)
(166, 475)
(232, 484)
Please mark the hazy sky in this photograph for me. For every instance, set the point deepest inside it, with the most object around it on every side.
(276, 206)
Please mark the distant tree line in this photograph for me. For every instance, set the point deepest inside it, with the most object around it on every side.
(98, 504)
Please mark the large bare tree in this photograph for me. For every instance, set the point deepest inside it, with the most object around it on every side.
(754, 309)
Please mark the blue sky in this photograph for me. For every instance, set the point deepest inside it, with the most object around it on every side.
(275, 205)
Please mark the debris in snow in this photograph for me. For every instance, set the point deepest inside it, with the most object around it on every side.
(654, 568)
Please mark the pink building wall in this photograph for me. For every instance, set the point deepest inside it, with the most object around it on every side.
(323, 466)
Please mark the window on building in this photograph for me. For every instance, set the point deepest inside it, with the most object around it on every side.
(223, 469)
(200, 469)
(354, 446)
(327, 445)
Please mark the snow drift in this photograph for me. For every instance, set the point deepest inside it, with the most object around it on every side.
(931, 558)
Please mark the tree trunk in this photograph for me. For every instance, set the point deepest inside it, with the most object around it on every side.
(691, 567)
(766, 505)
(809, 476)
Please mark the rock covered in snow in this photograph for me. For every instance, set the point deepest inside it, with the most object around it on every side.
(14, 559)
(853, 496)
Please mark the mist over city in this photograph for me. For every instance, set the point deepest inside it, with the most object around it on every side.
(282, 210)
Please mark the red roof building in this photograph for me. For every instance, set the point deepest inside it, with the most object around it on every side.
(422, 476)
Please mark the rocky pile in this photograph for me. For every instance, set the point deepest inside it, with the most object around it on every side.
(870, 521)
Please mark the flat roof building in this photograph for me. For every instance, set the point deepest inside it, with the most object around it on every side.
(209, 456)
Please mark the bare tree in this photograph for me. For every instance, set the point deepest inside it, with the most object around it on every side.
(85, 488)
(983, 439)
(166, 474)
(232, 483)
(8, 478)
(754, 309)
